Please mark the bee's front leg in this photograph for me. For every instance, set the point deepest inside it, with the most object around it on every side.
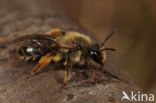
(92, 77)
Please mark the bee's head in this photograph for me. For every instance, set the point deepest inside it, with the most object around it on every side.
(97, 53)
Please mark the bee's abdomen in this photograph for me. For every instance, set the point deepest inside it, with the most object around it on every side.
(32, 54)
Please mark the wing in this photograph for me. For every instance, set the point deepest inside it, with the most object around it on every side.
(47, 39)
(33, 40)
(41, 41)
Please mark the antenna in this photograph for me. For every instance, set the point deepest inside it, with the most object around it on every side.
(111, 49)
(108, 37)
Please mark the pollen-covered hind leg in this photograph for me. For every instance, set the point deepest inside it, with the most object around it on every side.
(57, 32)
(44, 61)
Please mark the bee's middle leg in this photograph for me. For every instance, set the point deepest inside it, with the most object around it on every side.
(67, 73)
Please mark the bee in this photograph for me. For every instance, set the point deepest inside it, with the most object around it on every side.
(68, 48)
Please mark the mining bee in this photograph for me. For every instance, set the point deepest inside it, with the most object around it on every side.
(68, 48)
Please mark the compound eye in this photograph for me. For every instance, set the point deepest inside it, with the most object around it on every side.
(96, 56)
(93, 53)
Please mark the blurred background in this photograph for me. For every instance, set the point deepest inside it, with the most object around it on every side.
(135, 38)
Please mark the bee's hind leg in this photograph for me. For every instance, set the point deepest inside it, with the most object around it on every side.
(55, 32)
(44, 61)
(4, 41)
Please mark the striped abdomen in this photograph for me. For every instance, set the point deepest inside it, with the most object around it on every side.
(32, 54)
